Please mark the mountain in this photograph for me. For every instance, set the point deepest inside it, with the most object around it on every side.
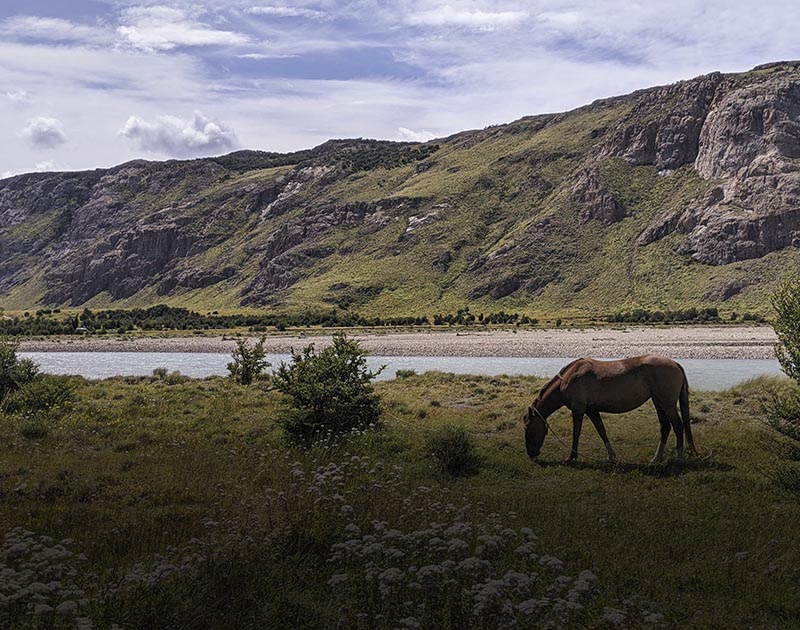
(675, 196)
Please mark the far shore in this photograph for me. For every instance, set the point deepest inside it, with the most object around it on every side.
(690, 342)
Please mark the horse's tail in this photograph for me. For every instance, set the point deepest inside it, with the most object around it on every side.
(685, 417)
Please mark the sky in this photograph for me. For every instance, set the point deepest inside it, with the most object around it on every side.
(94, 83)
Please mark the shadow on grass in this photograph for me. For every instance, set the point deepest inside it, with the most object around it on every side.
(670, 468)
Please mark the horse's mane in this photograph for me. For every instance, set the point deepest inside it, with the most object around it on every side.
(557, 377)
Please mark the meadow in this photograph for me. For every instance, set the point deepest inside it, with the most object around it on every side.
(164, 502)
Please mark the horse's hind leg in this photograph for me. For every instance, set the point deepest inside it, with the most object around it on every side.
(663, 420)
(677, 426)
(597, 421)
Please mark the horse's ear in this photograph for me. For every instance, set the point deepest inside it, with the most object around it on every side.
(528, 416)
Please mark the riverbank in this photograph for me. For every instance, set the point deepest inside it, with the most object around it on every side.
(690, 342)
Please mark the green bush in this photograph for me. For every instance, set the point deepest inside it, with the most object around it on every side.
(782, 407)
(453, 449)
(45, 394)
(34, 427)
(330, 391)
(786, 302)
(248, 362)
(405, 373)
(14, 372)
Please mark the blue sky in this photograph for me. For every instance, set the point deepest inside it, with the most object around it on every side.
(92, 83)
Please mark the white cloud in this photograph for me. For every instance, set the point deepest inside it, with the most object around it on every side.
(53, 29)
(164, 28)
(45, 133)
(281, 11)
(448, 15)
(409, 135)
(178, 137)
(262, 56)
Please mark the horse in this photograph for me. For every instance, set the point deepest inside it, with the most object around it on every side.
(589, 387)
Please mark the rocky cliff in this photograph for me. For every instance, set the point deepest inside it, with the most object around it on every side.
(686, 194)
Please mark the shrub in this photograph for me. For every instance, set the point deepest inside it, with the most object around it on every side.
(786, 302)
(248, 361)
(782, 408)
(405, 373)
(34, 427)
(175, 378)
(45, 394)
(331, 391)
(453, 450)
(14, 372)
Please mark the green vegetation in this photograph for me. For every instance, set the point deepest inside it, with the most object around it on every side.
(643, 316)
(786, 302)
(463, 317)
(15, 373)
(47, 322)
(162, 317)
(782, 406)
(453, 450)
(330, 391)
(180, 504)
(486, 219)
(248, 362)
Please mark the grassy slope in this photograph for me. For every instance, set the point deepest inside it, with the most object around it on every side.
(490, 189)
(138, 467)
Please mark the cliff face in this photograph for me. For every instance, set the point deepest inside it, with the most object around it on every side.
(674, 195)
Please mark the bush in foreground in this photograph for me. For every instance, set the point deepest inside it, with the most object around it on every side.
(46, 394)
(453, 450)
(330, 390)
(782, 407)
(14, 372)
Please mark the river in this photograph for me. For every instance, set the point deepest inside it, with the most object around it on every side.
(706, 374)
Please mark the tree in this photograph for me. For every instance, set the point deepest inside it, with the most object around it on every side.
(248, 361)
(786, 302)
(330, 390)
(782, 405)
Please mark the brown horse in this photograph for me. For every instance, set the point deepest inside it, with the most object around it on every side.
(588, 386)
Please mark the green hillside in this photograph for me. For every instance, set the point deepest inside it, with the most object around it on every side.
(664, 199)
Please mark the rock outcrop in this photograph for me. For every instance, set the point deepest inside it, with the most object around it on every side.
(665, 124)
(595, 201)
(512, 213)
(749, 146)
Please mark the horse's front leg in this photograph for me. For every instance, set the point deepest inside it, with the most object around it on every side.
(577, 424)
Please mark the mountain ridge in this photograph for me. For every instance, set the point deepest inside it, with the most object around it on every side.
(672, 196)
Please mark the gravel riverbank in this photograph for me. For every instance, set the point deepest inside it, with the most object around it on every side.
(691, 342)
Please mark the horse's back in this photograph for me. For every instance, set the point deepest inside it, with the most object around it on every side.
(623, 384)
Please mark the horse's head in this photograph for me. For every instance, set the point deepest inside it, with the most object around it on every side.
(535, 430)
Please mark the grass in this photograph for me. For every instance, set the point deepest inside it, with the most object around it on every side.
(142, 468)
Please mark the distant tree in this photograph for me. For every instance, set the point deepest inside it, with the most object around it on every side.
(248, 361)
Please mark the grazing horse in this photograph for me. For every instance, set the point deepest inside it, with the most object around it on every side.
(588, 387)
